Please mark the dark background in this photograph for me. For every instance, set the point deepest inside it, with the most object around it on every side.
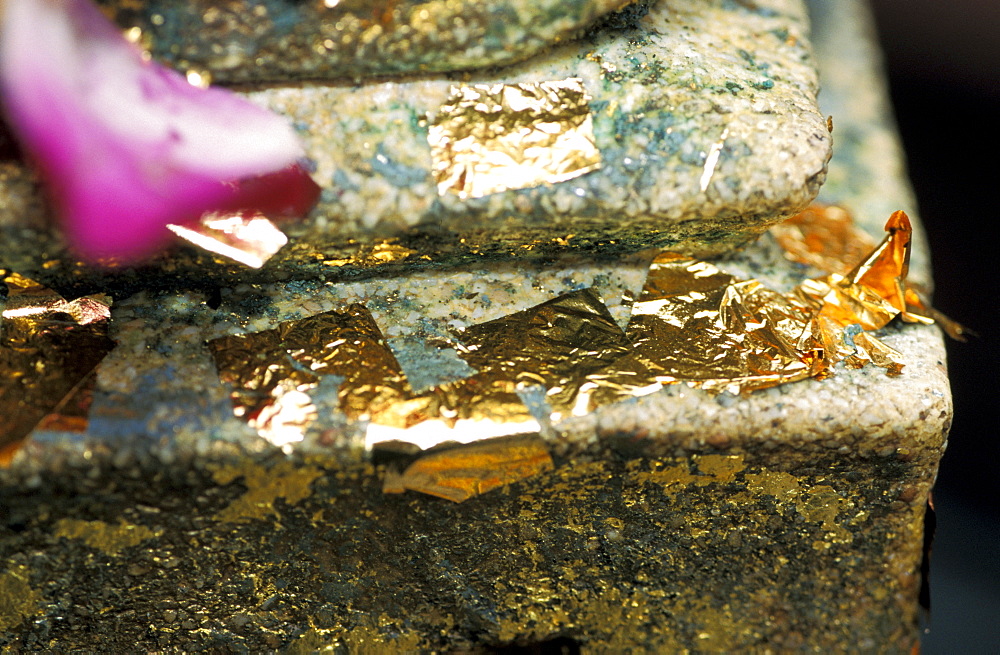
(943, 60)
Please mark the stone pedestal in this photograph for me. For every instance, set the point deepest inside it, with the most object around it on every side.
(786, 519)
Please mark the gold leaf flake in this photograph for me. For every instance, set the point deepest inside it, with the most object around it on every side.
(273, 372)
(491, 138)
(462, 472)
(49, 348)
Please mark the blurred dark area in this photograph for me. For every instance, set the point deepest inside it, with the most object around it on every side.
(943, 61)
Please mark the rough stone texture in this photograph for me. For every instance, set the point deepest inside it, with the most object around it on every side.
(790, 519)
(693, 75)
(255, 41)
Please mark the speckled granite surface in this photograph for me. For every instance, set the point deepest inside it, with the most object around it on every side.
(790, 519)
(704, 116)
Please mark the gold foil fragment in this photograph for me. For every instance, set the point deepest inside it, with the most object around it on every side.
(491, 138)
(273, 372)
(951, 327)
(463, 472)
(49, 349)
(554, 345)
(693, 323)
(869, 350)
(247, 238)
(697, 325)
(874, 291)
(825, 237)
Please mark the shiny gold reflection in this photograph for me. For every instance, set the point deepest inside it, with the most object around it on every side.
(463, 472)
(275, 373)
(874, 291)
(478, 407)
(491, 138)
(694, 323)
(49, 349)
(827, 238)
(247, 238)
(697, 325)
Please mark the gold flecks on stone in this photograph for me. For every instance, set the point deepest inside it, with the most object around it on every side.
(18, 601)
(370, 640)
(709, 469)
(818, 503)
(779, 484)
(286, 480)
(105, 537)
(466, 471)
(250, 239)
(721, 468)
(491, 138)
(49, 348)
(387, 251)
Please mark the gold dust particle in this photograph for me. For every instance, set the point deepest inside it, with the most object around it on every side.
(105, 537)
(18, 601)
(773, 483)
(286, 480)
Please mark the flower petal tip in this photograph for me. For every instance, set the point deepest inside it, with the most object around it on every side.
(125, 146)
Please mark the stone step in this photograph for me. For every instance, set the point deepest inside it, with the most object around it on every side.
(249, 42)
(694, 131)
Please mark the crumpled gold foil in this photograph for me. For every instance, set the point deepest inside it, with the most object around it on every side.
(825, 236)
(554, 345)
(491, 138)
(463, 411)
(273, 372)
(248, 238)
(463, 472)
(874, 291)
(697, 325)
(49, 350)
(692, 324)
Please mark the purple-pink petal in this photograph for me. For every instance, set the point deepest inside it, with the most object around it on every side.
(124, 145)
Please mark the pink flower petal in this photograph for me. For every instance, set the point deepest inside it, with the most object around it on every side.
(127, 146)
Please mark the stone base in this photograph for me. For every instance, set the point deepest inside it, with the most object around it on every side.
(711, 552)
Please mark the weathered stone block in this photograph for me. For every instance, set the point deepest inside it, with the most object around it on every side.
(786, 519)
